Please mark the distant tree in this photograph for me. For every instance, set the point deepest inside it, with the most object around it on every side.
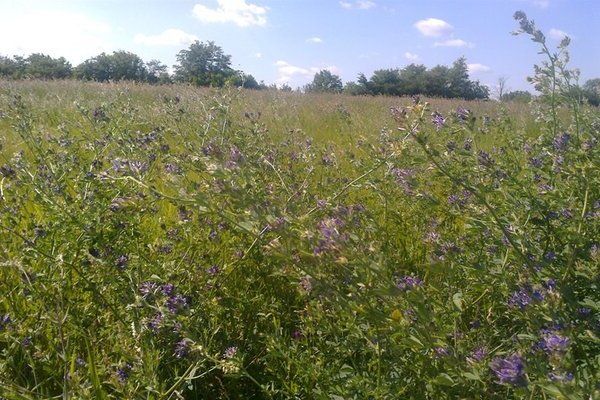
(246, 81)
(413, 79)
(13, 68)
(522, 96)
(385, 81)
(203, 64)
(285, 88)
(97, 68)
(325, 82)
(127, 66)
(41, 66)
(501, 87)
(355, 89)
(436, 82)
(157, 72)
(591, 91)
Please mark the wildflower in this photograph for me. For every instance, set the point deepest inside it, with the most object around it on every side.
(306, 284)
(155, 323)
(441, 351)
(26, 341)
(408, 282)
(561, 142)
(462, 114)
(468, 144)
(555, 344)
(147, 288)
(123, 372)
(213, 270)
(509, 370)
(167, 289)
(121, 262)
(536, 162)
(182, 348)
(484, 159)
(438, 120)
(478, 354)
(520, 299)
(176, 303)
(230, 352)
(561, 378)
(4, 321)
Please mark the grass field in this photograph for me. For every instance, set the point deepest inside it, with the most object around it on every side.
(173, 242)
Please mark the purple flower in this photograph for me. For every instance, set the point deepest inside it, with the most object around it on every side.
(561, 142)
(122, 262)
(182, 348)
(438, 120)
(478, 354)
(213, 270)
(484, 159)
(123, 372)
(555, 344)
(176, 303)
(155, 323)
(536, 162)
(408, 282)
(4, 321)
(519, 299)
(561, 378)
(441, 351)
(462, 114)
(230, 352)
(167, 289)
(510, 370)
(148, 288)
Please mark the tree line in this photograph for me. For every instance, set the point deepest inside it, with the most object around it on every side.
(206, 64)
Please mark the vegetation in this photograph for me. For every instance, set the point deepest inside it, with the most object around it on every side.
(168, 242)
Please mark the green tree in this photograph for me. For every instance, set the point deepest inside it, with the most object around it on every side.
(413, 79)
(325, 82)
(157, 72)
(41, 66)
(591, 91)
(126, 66)
(386, 82)
(522, 96)
(13, 68)
(203, 64)
(97, 68)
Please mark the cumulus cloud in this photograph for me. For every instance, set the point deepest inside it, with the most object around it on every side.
(169, 37)
(433, 27)
(289, 72)
(476, 67)
(557, 34)
(411, 56)
(453, 43)
(236, 11)
(74, 36)
(357, 4)
(314, 40)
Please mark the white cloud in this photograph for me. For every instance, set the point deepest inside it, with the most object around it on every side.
(289, 73)
(258, 55)
(411, 56)
(557, 34)
(476, 67)
(314, 40)
(433, 27)
(453, 43)
(74, 36)
(169, 37)
(237, 11)
(357, 4)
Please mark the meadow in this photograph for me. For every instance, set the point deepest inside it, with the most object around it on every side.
(173, 242)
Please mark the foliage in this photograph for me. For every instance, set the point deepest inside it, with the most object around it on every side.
(325, 82)
(439, 81)
(203, 64)
(591, 91)
(175, 242)
(37, 66)
(517, 95)
(121, 65)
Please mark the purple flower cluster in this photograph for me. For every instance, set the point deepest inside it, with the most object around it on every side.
(561, 142)
(405, 179)
(330, 235)
(4, 321)
(510, 370)
(182, 348)
(554, 344)
(408, 282)
(525, 296)
(484, 159)
(462, 114)
(123, 372)
(438, 120)
(230, 352)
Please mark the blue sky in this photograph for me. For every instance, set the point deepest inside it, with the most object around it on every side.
(287, 41)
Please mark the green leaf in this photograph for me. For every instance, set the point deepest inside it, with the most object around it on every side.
(444, 380)
(457, 299)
